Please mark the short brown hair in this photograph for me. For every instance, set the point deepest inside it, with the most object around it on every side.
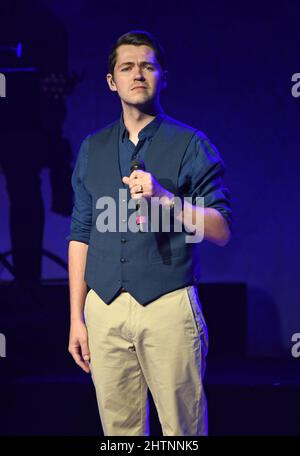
(137, 38)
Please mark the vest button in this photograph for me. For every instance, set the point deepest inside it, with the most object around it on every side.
(122, 260)
(123, 240)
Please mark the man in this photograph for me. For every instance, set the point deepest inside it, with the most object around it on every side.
(136, 318)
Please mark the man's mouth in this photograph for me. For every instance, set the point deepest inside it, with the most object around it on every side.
(139, 87)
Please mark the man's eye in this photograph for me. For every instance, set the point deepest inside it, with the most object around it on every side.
(125, 69)
(151, 68)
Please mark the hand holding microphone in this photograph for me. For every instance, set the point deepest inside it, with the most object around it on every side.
(143, 184)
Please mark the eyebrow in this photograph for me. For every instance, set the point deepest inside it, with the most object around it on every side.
(142, 63)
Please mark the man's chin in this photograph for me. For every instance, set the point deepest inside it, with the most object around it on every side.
(140, 103)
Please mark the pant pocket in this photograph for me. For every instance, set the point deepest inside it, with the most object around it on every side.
(197, 314)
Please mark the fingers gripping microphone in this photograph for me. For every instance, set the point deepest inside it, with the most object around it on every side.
(141, 219)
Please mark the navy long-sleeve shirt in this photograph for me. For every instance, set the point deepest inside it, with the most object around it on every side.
(201, 175)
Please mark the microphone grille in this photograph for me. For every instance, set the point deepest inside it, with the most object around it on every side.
(137, 164)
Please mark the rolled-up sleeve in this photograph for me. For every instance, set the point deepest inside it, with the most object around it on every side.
(81, 218)
(207, 176)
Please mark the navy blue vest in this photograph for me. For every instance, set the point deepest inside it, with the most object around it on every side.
(147, 264)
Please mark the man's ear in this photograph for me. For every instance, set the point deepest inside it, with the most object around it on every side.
(111, 82)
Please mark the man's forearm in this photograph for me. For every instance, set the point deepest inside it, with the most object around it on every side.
(215, 226)
(78, 288)
(207, 221)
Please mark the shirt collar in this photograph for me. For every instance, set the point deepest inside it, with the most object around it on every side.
(145, 133)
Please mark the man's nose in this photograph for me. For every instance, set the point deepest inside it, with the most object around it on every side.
(139, 74)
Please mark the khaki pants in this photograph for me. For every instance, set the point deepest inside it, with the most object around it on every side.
(163, 346)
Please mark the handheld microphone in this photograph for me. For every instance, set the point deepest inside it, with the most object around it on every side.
(141, 219)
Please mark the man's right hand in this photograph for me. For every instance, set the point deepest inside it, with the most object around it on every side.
(78, 345)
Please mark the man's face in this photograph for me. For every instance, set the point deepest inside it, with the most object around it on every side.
(138, 77)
